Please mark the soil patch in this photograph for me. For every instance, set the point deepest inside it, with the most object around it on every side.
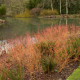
(63, 75)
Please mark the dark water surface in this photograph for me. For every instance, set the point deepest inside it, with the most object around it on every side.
(20, 26)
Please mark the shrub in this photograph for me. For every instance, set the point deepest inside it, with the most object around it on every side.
(12, 74)
(24, 14)
(48, 12)
(2, 9)
(73, 47)
(35, 11)
(47, 55)
(46, 48)
(48, 63)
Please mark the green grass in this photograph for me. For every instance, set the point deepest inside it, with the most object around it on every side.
(75, 75)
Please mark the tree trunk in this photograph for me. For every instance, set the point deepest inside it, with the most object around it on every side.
(60, 7)
(43, 3)
(52, 5)
(66, 7)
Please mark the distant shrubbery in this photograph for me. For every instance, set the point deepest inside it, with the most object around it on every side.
(17, 6)
(49, 12)
(2, 9)
(35, 11)
(24, 14)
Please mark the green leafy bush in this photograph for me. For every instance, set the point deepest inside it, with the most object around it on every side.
(49, 12)
(2, 9)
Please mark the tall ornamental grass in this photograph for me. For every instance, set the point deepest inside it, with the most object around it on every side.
(50, 50)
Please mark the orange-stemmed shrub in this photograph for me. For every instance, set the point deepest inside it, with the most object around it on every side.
(48, 50)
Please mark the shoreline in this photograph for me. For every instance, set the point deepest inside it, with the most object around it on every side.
(48, 16)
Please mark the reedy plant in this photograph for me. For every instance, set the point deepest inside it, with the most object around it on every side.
(12, 74)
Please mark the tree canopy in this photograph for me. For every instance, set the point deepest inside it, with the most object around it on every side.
(62, 6)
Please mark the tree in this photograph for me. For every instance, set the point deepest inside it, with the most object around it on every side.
(1, 2)
(66, 6)
(2, 9)
(33, 3)
(14, 6)
(52, 5)
(60, 7)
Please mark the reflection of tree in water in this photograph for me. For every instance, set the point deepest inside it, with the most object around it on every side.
(67, 21)
(18, 27)
(40, 23)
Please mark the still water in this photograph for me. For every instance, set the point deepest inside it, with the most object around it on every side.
(20, 26)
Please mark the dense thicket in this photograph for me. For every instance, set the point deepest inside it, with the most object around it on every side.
(73, 5)
(62, 6)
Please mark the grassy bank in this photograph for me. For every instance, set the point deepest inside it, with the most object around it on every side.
(75, 75)
(49, 16)
(45, 13)
(48, 51)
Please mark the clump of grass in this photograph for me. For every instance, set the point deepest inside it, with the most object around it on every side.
(73, 47)
(47, 55)
(48, 64)
(46, 48)
(12, 74)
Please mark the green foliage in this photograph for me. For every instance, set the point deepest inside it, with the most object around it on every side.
(73, 5)
(46, 48)
(73, 47)
(75, 75)
(47, 55)
(12, 74)
(26, 13)
(2, 9)
(33, 3)
(48, 63)
(18, 6)
(49, 12)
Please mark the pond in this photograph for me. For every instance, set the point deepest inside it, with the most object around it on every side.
(15, 27)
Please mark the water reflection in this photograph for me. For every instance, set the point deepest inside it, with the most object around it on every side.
(20, 26)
